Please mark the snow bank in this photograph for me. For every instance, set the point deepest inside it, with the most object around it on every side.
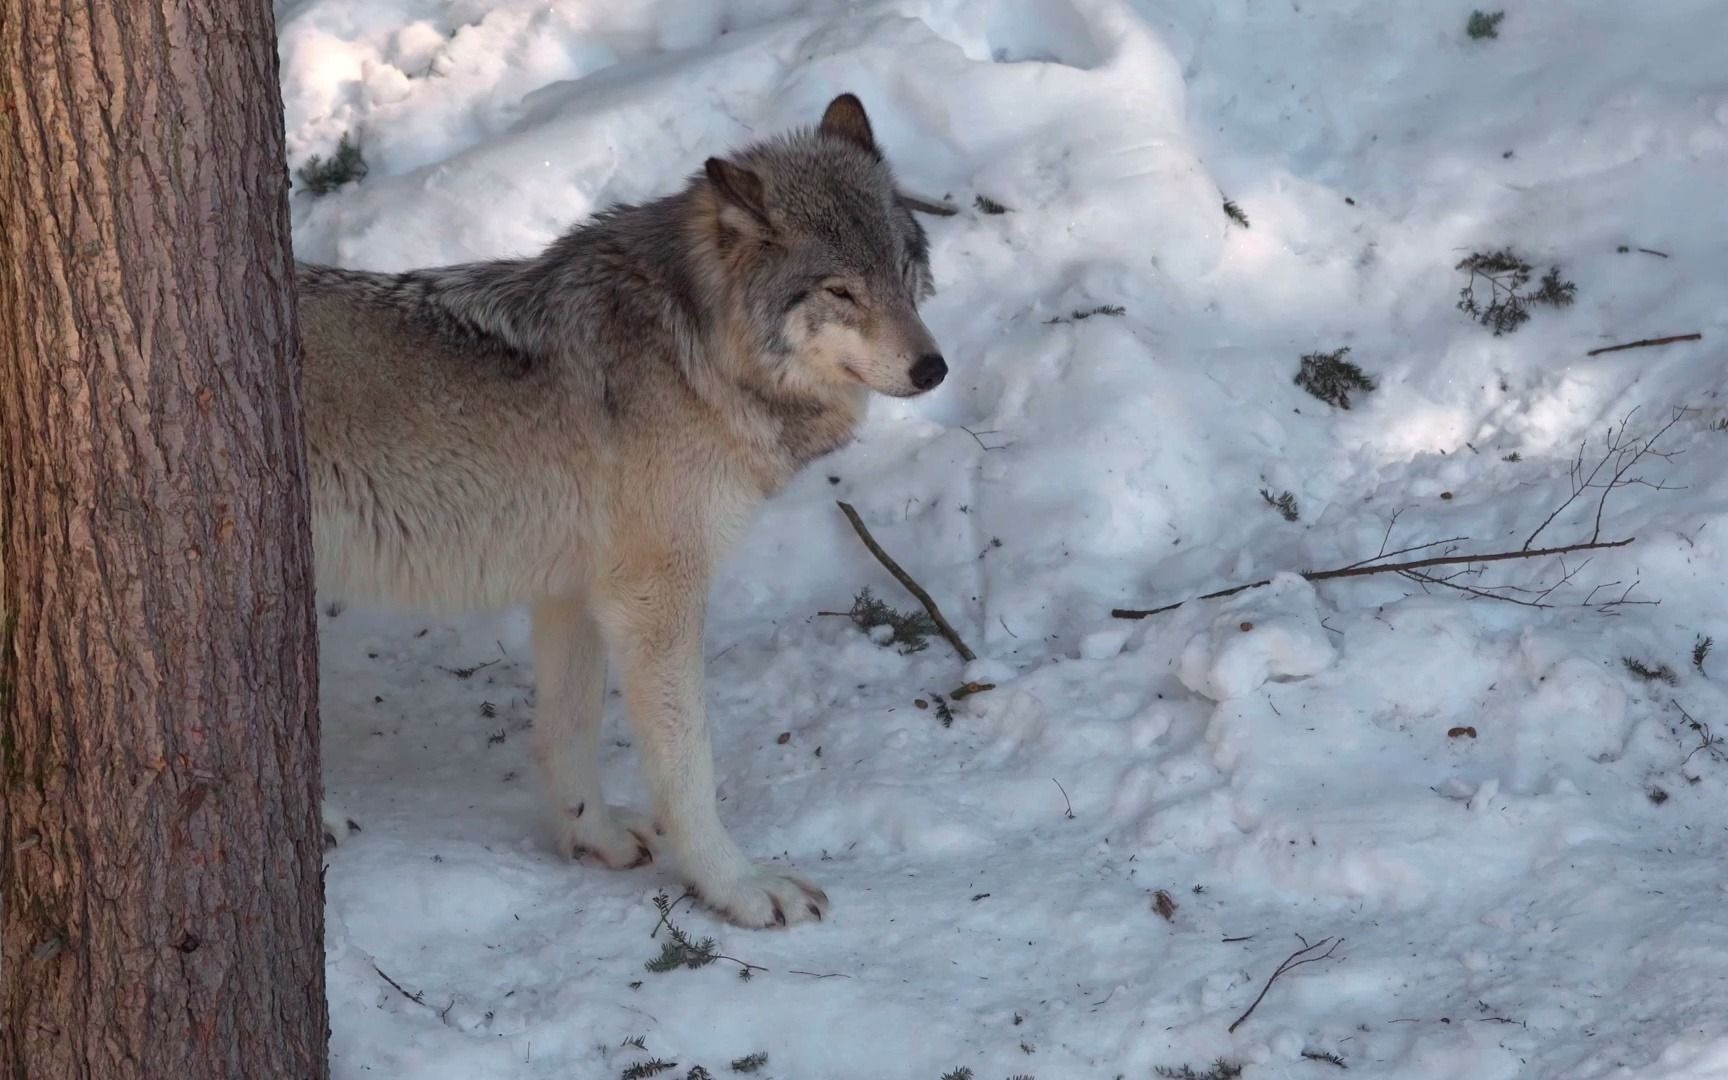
(1270, 632)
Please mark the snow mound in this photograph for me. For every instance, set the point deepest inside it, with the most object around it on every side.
(1272, 632)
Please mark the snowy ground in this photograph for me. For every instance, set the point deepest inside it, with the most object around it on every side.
(1543, 899)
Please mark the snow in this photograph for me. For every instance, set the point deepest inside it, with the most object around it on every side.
(1515, 902)
(1273, 631)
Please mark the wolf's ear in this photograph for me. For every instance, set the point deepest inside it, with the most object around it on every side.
(845, 119)
(738, 187)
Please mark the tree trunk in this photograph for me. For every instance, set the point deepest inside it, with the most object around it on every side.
(161, 901)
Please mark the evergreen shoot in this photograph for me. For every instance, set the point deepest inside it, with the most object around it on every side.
(1284, 503)
(1506, 276)
(750, 1062)
(1331, 378)
(1659, 673)
(678, 951)
(1220, 1070)
(944, 711)
(1482, 25)
(1081, 314)
(911, 631)
(322, 175)
(1235, 213)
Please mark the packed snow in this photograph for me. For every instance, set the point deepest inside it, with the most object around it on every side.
(1092, 869)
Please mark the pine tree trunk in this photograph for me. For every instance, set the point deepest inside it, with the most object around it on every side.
(161, 903)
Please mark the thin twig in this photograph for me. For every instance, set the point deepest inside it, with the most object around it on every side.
(743, 965)
(1359, 570)
(1619, 457)
(666, 916)
(1487, 594)
(982, 445)
(1405, 550)
(1623, 454)
(819, 975)
(1646, 342)
(1307, 954)
(905, 579)
(418, 999)
(1639, 450)
(1065, 798)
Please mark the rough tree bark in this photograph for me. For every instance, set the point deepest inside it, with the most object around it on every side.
(160, 896)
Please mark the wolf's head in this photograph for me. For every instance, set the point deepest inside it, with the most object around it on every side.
(825, 259)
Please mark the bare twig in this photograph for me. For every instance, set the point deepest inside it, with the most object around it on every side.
(1621, 454)
(977, 438)
(744, 966)
(1359, 570)
(417, 998)
(1404, 550)
(1307, 954)
(925, 206)
(905, 579)
(1624, 456)
(1485, 593)
(1064, 791)
(465, 672)
(1628, 456)
(1625, 600)
(1646, 342)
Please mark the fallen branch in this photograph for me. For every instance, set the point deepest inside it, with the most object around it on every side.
(905, 579)
(1307, 954)
(1646, 342)
(1622, 453)
(1360, 570)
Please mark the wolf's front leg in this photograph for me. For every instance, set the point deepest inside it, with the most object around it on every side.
(653, 620)
(570, 681)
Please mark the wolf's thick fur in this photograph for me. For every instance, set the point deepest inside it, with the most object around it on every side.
(586, 431)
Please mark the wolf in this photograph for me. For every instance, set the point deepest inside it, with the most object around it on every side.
(586, 432)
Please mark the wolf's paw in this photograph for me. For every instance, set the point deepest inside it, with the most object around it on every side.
(764, 897)
(607, 836)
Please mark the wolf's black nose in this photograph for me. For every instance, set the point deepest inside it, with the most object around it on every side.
(929, 371)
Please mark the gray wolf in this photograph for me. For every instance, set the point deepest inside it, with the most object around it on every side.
(586, 431)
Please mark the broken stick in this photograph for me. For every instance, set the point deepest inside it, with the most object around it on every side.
(905, 579)
(1645, 343)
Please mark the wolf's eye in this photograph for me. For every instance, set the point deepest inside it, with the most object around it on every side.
(839, 292)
